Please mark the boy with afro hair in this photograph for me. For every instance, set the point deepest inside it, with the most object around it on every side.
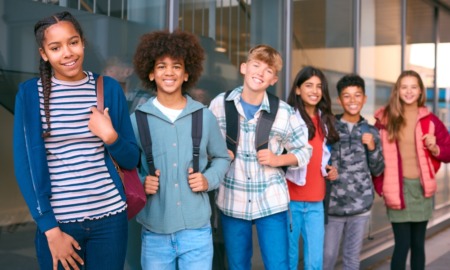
(178, 209)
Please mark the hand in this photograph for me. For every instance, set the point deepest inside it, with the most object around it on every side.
(430, 143)
(197, 181)
(230, 153)
(332, 173)
(367, 139)
(266, 157)
(100, 124)
(61, 247)
(151, 183)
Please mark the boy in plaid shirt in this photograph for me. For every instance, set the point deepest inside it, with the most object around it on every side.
(254, 190)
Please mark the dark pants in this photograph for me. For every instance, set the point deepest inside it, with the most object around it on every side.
(409, 235)
(103, 243)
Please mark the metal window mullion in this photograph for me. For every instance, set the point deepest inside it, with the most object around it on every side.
(238, 33)
(403, 34)
(436, 44)
(230, 23)
(172, 12)
(356, 35)
(288, 46)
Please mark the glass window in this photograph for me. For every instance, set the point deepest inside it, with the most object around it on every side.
(443, 110)
(323, 37)
(227, 30)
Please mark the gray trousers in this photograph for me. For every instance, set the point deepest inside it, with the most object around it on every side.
(351, 230)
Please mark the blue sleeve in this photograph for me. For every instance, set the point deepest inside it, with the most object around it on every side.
(30, 161)
(125, 149)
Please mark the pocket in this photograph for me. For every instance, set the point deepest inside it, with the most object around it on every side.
(413, 189)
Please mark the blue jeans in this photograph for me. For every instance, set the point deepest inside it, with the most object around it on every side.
(353, 229)
(272, 237)
(187, 249)
(307, 221)
(102, 241)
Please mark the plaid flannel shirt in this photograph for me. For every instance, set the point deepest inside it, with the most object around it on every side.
(250, 190)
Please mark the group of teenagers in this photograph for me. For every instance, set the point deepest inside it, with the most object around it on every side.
(64, 146)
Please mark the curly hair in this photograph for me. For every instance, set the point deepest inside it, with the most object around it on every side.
(327, 118)
(177, 45)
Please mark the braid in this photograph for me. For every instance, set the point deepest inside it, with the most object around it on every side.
(45, 68)
(46, 74)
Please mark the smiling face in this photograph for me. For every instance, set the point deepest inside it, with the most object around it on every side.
(409, 90)
(352, 99)
(258, 75)
(64, 49)
(310, 91)
(169, 75)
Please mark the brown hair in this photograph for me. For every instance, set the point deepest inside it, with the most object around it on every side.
(393, 114)
(177, 45)
(266, 54)
(45, 69)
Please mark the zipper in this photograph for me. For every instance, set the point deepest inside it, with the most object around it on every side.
(31, 172)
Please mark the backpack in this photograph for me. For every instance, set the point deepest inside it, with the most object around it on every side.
(146, 139)
(263, 126)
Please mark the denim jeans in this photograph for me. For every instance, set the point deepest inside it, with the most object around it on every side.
(272, 238)
(187, 249)
(102, 241)
(352, 228)
(307, 221)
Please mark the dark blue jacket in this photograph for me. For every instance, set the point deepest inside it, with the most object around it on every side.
(30, 159)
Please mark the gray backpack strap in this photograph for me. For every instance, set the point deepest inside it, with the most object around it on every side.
(365, 129)
(265, 123)
(146, 139)
(232, 120)
(197, 129)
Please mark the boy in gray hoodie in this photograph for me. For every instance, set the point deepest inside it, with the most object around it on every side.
(358, 156)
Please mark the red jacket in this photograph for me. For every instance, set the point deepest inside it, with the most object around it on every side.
(390, 184)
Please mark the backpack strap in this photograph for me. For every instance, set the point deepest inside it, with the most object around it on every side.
(265, 123)
(232, 121)
(365, 129)
(100, 96)
(146, 139)
(263, 126)
(197, 129)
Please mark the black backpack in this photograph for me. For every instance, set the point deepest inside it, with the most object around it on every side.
(263, 126)
(146, 139)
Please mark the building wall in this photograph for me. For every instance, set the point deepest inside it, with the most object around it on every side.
(323, 35)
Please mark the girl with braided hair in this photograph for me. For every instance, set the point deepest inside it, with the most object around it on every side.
(62, 149)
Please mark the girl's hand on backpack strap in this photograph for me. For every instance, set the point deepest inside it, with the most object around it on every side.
(332, 173)
(62, 247)
(101, 126)
(151, 183)
(197, 181)
(430, 143)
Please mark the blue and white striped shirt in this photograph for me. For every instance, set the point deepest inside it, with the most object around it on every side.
(81, 185)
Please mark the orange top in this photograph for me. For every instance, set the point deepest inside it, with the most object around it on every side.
(314, 189)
